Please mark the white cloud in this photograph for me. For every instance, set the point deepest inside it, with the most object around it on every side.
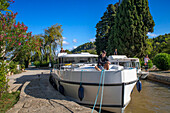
(92, 39)
(70, 49)
(64, 38)
(74, 47)
(65, 43)
(75, 40)
(152, 35)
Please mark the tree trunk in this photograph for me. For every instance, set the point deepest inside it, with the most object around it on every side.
(26, 63)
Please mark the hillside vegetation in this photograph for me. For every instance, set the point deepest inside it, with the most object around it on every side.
(87, 47)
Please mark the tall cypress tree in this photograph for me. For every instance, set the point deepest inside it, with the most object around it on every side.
(103, 28)
(132, 23)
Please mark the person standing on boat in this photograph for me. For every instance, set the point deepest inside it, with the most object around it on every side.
(146, 59)
(62, 51)
(103, 61)
(115, 53)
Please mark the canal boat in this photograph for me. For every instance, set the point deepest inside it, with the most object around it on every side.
(75, 77)
(126, 62)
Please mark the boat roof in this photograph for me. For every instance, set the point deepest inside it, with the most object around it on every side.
(122, 58)
(118, 56)
(83, 54)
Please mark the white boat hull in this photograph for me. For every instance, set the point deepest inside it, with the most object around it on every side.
(117, 87)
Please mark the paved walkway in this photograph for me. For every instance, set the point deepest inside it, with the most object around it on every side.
(37, 95)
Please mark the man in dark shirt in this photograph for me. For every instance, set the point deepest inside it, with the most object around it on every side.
(62, 51)
(115, 53)
(103, 61)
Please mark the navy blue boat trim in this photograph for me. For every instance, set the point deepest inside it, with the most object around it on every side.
(97, 84)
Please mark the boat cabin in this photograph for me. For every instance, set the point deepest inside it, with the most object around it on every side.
(65, 59)
(124, 61)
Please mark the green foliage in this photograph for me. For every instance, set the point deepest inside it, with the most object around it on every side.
(68, 52)
(132, 23)
(142, 64)
(41, 64)
(4, 4)
(37, 63)
(14, 38)
(3, 80)
(162, 61)
(8, 100)
(44, 64)
(22, 66)
(86, 46)
(103, 28)
(51, 39)
(90, 51)
(13, 66)
(150, 64)
(158, 44)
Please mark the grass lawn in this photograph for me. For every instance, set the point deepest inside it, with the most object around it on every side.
(8, 100)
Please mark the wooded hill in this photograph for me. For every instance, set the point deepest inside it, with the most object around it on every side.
(87, 47)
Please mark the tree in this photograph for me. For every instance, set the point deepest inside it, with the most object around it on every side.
(50, 40)
(132, 23)
(4, 4)
(68, 52)
(103, 28)
(159, 44)
(14, 37)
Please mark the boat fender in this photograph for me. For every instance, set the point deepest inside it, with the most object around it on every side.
(61, 89)
(139, 85)
(81, 92)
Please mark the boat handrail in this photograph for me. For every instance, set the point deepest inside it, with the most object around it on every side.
(70, 65)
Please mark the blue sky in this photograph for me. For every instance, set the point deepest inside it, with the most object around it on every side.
(79, 17)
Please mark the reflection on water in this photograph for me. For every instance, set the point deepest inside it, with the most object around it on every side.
(154, 98)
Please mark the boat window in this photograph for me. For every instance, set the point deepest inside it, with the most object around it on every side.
(122, 63)
(127, 64)
(137, 65)
(133, 64)
(116, 63)
(79, 60)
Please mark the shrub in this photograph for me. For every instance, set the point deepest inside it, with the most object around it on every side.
(17, 71)
(37, 63)
(22, 66)
(142, 64)
(150, 64)
(3, 79)
(44, 64)
(13, 66)
(162, 61)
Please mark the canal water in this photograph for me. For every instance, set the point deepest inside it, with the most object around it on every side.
(154, 98)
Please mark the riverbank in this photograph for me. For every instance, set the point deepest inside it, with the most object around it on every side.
(160, 76)
(38, 96)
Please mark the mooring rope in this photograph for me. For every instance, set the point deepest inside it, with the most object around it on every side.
(81, 77)
(102, 91)
(98, 91)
